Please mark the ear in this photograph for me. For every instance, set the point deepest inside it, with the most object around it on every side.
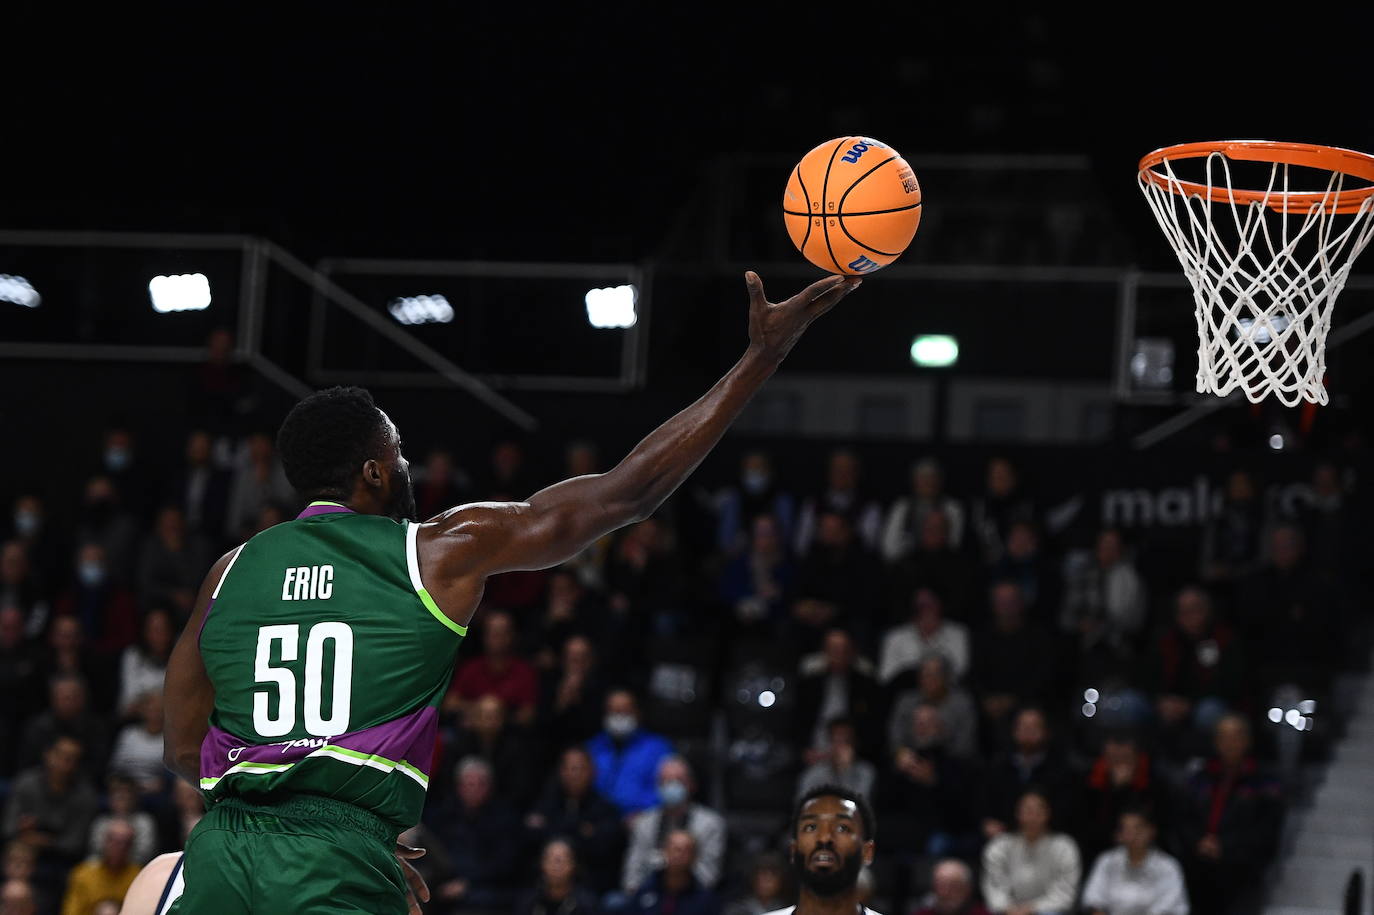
(372, 473)
(868, 853)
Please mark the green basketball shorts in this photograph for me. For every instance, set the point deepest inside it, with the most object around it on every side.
(301, 854)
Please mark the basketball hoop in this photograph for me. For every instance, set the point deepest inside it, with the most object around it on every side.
(1265, 265)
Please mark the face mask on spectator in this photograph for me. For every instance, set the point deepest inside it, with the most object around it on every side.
(755, 481)
(92, 574)
(26, 522)
(672, 793)
(116, 459)
(621, 725)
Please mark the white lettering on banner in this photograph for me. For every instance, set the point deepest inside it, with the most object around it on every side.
(1183, 506)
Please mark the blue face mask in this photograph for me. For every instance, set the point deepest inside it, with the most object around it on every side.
(92, 574)
(116, 459)
(672, 793)
(26, 523)
(756, 481)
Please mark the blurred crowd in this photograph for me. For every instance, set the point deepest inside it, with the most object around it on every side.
(1040, 727)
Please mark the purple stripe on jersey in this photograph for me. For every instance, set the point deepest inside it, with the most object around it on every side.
(314, 510)
(410, 738)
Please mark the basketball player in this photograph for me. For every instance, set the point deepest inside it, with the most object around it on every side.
(303, 695)
(832, 842)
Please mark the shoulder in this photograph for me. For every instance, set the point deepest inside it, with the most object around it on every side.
(707, 817)
(1165, 863)
(787, 911)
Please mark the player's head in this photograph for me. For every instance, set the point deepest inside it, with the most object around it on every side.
(337, 445)
(832, 840)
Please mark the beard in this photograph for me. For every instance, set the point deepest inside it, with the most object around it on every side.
(841, 880)
(401, 505)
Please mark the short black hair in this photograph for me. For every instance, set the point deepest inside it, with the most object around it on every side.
(869, 825)
(327, 437)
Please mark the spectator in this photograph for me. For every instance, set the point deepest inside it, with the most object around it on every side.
(508, 478)
(1014, 660)
(480, 833)
(842, 497)
(439, 484)
(102, 877)
(68, 715)
(1032, 762)
(937, 564)
(572, 808)
(931, 685)
(106, 610)
(188, 808)
(19, 588)
(906, 518)
(626, 757)
(1195, 672)
(434, 867)
(951, 891)
(645, 580)
(172, 564)
(757, 494)
(1121, 778)
(258, 481)
(129, 475)
(756, 583)
(67, 653)
(930, 790)
(30, 527)
(51, 807)
(835, 582)
(122, 793)
(21, 896)
(841, 764)
(200, 489)
(675, 890)
(558, 891)
(138, 748)
(1290, 618)
(767, 887)
(1232, 539)
(582, 459)
(1104, 607)
(928, 631)
(568, 610)
(491, 737)
(143, 666)
(19, 683)
(1228, 823)
(1023, 561)
(103, 519)
(499, 672)
(676, 812)
(1135, 878)
(573, 696)
(840, 685)
(1325, 523)
(1002, 504)
(221, 390)
(1032, 871)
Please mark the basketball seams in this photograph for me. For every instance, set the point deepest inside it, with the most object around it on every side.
(850, 235)
(825, 189)
(859, 180)
(910, 206)
(807, 196)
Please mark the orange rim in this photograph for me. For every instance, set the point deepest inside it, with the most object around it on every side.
(1309, 155)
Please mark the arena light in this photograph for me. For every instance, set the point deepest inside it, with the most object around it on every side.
(767, 698)
(611, 307)
(1276, 442)
(1307, 706)
(421, 309)
(1276, 715)
(187, 292)
(1091, 695)
(934, 351)
(18, 290)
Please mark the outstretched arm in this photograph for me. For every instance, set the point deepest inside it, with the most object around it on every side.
(558, 522)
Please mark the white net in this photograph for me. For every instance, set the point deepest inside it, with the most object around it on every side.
(1265, 273)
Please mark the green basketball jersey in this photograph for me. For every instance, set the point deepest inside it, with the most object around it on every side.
(329, 661)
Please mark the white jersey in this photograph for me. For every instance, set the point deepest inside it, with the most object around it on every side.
(176, 885)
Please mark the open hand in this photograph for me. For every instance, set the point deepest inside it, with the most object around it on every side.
(419, 892)
(776, 328)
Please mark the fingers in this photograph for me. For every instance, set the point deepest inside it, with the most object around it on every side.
(831, 297)
(755, 287)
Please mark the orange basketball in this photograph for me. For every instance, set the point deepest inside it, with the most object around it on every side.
(852, 205)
